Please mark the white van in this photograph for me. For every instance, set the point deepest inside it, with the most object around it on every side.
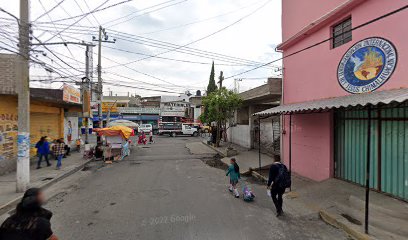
(146, 128)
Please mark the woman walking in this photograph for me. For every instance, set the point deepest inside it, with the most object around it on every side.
(233, 172)
(31, 220)
(43, 149)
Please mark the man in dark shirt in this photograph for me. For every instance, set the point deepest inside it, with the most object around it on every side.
(31, 221)
(276, 191)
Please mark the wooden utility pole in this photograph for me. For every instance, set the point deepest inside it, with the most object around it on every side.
(23, 91)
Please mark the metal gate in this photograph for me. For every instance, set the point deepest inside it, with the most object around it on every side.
(389, 148)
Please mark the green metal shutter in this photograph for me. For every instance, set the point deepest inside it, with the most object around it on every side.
(389, 141)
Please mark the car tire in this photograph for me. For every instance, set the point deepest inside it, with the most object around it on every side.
(173, 134)
(195, 134)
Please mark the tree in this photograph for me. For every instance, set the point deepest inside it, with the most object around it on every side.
(211, 83)
(220, 107)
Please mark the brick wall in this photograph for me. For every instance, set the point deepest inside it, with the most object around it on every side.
(8, 73)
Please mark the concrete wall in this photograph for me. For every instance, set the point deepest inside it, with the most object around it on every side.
(240, 135)
(8, 73)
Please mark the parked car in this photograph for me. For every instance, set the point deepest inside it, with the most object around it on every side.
(147, 128)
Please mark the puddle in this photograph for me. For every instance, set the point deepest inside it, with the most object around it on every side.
(351, 219)
(47, 179)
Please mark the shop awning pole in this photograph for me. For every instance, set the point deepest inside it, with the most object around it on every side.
(290, 146)
(367, 197)
(259, 143)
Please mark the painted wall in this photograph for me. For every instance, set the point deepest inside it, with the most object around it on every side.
(71, 127)
(297, 14)
(240, 135)
(44, 121)
(312, 74)
(312, 136)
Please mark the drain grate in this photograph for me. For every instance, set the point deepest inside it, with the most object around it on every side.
(47, 179)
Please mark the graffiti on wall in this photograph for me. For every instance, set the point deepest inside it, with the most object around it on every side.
(8, 135)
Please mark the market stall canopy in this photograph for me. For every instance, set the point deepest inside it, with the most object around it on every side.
(123, 131)
(363, 99)
(122, 122)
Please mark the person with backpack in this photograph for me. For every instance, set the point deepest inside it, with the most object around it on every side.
(278, 181)
(30, 221)
(233, 172)
(43, 150)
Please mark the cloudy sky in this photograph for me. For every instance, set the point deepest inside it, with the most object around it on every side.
(167, 46)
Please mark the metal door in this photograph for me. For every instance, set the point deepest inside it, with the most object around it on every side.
(389, 148)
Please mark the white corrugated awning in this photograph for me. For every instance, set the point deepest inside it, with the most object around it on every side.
(355, 100)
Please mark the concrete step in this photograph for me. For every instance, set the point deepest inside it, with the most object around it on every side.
(384, 223)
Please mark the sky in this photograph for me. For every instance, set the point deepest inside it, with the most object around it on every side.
(244, 29)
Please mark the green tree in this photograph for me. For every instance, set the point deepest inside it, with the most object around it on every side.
(220, 107)
(211, 83)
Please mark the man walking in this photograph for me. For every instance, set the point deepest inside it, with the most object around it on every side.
(279, 180)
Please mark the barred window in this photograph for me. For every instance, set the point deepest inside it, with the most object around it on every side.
(342, 33)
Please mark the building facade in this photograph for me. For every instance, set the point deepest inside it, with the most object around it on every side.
(344, 98)
(49, 116)
(246, 129)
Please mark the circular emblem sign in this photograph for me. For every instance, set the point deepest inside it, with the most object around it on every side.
(367, 65)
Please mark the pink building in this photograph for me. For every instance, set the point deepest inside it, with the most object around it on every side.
(350, 84)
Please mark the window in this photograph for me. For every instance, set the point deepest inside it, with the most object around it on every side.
(342, 33)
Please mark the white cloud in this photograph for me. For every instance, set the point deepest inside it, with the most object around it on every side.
(253, 38)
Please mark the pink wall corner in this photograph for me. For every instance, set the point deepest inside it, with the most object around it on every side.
(312, 74)
(312, 145)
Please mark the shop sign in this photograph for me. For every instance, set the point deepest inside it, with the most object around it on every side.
(71, 94)
(367, 65)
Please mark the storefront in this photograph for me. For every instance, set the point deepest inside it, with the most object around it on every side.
(343, 109)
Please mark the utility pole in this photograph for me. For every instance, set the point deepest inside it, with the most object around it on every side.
(23, 91)
(219, 121)
(86, 88)
(236, 84)
(100, 87)
(221, 79)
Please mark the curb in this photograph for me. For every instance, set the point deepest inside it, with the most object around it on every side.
(11, 204)
(215, 149)
(330, 219)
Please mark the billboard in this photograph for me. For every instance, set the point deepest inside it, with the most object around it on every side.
(71, 94)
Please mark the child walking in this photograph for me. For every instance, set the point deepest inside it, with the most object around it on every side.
(233, 172)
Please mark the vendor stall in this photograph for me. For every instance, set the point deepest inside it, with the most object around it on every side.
(117, 141)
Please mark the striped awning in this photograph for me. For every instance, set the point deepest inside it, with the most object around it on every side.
(355, 100)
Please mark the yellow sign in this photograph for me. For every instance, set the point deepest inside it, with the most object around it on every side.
(106, 106)
(71, 94)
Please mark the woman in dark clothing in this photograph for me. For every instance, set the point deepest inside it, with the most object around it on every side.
(31, 221)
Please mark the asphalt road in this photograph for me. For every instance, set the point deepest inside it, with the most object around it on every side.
(163, 192)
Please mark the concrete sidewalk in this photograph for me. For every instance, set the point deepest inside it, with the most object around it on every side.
(38, 178)
(341, 204)
(246, 158)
